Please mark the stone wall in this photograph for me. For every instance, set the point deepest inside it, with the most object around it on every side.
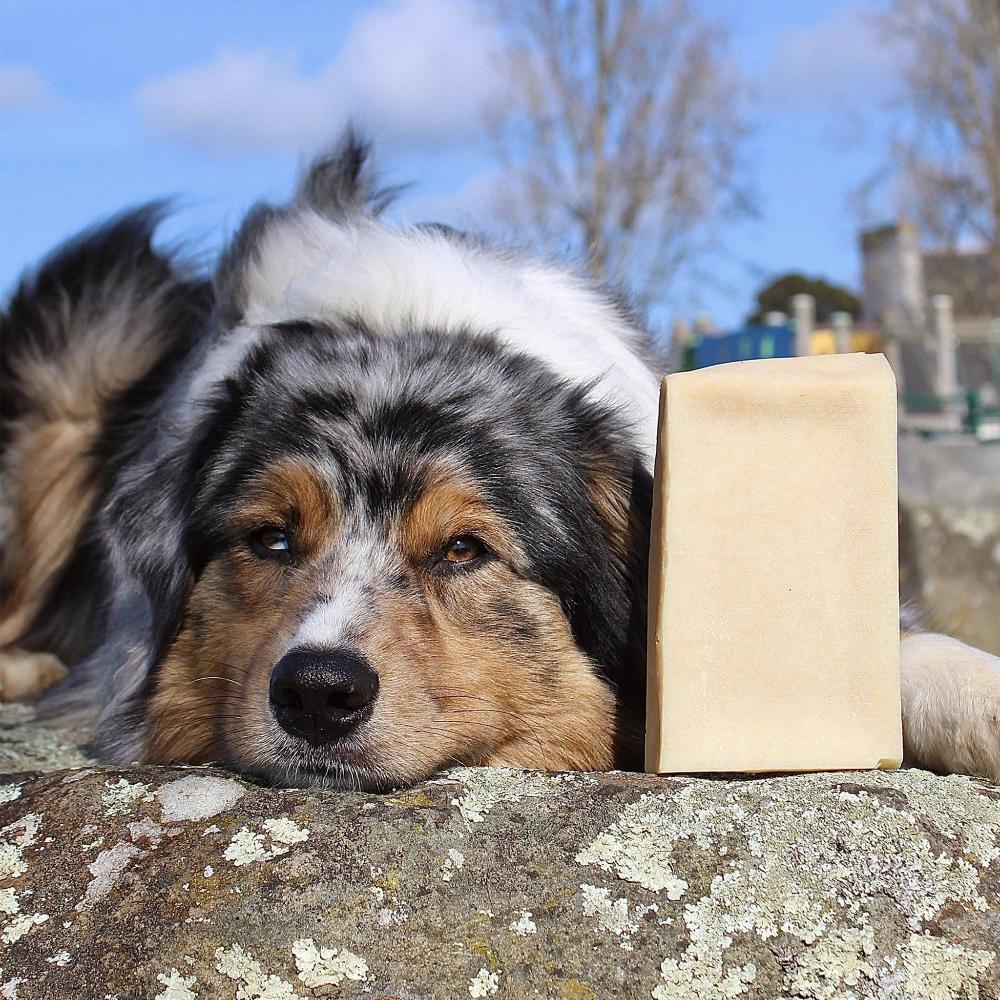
(949, 534)
(175, 883)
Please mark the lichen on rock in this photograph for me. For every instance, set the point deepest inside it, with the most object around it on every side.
(181, 883)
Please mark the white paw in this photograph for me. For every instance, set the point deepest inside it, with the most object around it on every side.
(23, 674)
(951, 706)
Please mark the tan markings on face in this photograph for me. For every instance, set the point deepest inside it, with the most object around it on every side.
(210, 699)
(476, 664)
(474, 689)
(611, 496)
(449, 508)
(483, 668)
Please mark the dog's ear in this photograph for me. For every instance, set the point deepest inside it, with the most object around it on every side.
(143, 527)
(149, 517)
(147, 522)
(340, 186)
(236, 263)
(341, 183)
(147, 525)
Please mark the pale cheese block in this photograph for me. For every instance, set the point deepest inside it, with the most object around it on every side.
(774, 589)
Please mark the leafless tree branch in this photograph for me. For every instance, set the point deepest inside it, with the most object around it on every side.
(949, 156)
(620, 134)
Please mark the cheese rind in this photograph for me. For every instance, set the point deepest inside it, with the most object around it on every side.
(774, 591)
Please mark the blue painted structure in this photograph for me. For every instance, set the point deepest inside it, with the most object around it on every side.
(742, 345)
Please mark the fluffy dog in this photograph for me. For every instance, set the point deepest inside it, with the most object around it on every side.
(375, 501)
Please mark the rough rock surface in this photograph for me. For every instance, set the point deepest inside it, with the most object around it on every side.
(175, 883)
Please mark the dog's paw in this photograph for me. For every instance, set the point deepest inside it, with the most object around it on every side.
(951, 706)
(23, 674)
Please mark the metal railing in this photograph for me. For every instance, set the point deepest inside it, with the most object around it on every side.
(972, 415)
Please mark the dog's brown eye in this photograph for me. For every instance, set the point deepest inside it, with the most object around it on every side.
(463, 549)
(270, 540)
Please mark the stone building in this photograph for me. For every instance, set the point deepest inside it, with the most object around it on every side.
(900, 281)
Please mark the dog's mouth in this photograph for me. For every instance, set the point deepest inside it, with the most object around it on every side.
(347, 766)
(334, 775)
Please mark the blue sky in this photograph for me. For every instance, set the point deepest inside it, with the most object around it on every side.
(218, 102)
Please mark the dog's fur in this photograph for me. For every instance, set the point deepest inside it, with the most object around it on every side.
(375, 393)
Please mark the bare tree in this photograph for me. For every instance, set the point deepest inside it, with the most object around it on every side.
(620, 135)
(949, 148)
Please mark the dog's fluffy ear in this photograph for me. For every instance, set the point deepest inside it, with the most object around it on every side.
(339, 186)
(238, 261)
(148, 526)
(144, 531)
(341, 183)
(147, 521)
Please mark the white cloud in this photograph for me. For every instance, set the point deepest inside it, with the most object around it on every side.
(22, 89)
(835, 62)
(415, 71)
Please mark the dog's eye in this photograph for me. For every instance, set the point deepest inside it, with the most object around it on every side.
(464, 549)
(270, 540)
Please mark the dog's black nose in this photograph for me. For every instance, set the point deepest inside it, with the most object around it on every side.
(322, 694)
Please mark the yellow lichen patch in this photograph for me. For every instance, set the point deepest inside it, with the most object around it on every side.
(573, 989)
(327, 966)
(486, 787)
(254, 982)
(937, 970)
(247, 846)
(121, 796)
(176, 986)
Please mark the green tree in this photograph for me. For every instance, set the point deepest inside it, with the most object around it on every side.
(777, 294)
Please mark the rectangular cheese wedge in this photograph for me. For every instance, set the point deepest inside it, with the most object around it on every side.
(773, 577)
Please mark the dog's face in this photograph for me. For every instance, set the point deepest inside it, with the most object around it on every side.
(404, 553)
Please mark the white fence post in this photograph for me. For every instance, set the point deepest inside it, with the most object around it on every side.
(804, 312)
(842, 324)
(894, 355)
(946, 377)
(946, 368)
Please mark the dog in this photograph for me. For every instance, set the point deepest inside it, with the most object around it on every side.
(374, 501)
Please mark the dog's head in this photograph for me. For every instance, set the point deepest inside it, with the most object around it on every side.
(390, 550)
